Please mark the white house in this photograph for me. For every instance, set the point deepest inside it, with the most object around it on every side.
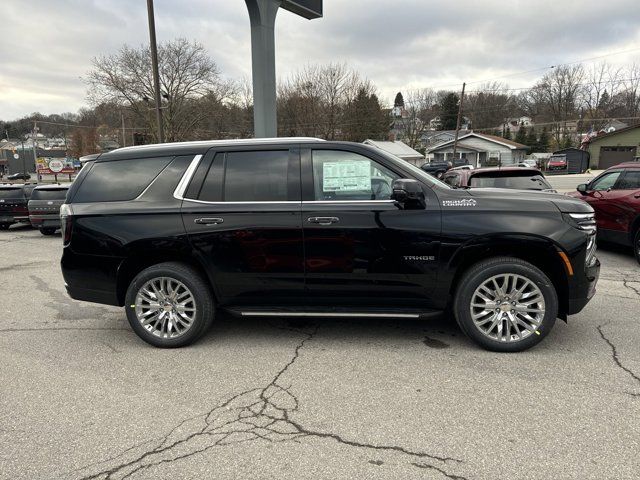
(480, 150)
(399, 149)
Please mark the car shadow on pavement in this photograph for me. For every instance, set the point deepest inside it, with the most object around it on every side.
(436, 332)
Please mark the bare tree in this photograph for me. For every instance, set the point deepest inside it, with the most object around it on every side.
(556, 97)
(187, 74)
(490, 105)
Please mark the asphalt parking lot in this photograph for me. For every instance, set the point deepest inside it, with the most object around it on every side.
(81, 397)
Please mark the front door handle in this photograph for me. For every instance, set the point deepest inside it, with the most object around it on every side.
(208, 221)
(637, 195)
(323, 220)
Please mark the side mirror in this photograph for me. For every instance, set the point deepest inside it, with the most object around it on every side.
(582, 188)
(408, 194)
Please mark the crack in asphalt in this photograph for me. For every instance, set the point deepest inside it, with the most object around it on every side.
(21, 265)
(626, 282)
(262, 413)
(68, 309)
(616, 357)
(432, 467)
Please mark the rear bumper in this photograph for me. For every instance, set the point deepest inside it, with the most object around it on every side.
(90, 278)
(46, 221)
(13, 219)
(583, 290)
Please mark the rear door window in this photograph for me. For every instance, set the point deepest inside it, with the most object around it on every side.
(630, 180)
(251, 176)
(119, 180)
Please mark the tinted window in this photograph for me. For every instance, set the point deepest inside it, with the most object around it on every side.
(606, 182)
(341, 175)
(11, 193)
(630, 181)
(255, 176)
(211, 190)
(119, 180)
(533, 182)
(451, 180)
(49, 194)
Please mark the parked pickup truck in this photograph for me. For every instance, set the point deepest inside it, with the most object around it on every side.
(13, 203)
(44, 207)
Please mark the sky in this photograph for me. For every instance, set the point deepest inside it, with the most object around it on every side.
(47, 46)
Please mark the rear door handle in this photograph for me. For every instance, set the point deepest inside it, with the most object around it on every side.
(637, 195)
(323, 220)
(208, 221)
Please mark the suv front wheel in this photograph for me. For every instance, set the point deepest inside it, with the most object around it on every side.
(505, 304)
(169, 305)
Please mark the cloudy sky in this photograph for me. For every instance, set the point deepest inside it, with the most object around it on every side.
(47, 46)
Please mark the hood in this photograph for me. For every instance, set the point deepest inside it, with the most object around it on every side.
(564, 203)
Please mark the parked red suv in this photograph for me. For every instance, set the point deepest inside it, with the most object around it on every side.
(520, 178)
(615, 196)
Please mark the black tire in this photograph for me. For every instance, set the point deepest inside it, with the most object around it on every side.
(485, 270)
(47, 231)
(197, 286)
(4, 226)
(636, 245)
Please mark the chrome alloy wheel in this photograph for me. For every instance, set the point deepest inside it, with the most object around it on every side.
(507, 307)
(165, 307)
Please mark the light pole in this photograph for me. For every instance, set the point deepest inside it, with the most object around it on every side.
(154, 67)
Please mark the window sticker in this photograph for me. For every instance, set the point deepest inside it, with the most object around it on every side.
(346, 176)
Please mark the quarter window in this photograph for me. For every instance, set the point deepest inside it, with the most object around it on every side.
(119, 180)
(342, 175)
(606, 182)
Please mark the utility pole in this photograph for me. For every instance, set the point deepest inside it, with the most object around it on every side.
(154, 67)
(35, 146)
(124, 140)
(455, 141)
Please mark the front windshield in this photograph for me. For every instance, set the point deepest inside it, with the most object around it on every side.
(415, 171)
(534, 182)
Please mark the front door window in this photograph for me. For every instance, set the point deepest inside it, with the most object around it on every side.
(605, 182)
(342, 175)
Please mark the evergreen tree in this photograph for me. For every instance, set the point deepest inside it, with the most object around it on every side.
(399, 101)
(532, 140)
(449, 112)
(521, 135)
(543, 141)
(507, 134)
(365, 118)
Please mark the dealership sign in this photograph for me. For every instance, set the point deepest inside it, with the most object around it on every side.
(54, 166)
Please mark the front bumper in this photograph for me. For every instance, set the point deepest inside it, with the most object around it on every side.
(584, 290)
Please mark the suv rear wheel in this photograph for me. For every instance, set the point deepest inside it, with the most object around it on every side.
(636, 245)
(506, 304)
(4, 226)
(169, 305)
(47, 230)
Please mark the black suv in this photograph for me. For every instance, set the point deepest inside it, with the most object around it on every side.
(304, 227)
(13, 203)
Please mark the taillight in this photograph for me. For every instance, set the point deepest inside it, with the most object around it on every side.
(66, 222)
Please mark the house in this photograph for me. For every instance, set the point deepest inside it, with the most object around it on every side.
(514, 124)
(399, 149)
(480, 150)
(609, 149)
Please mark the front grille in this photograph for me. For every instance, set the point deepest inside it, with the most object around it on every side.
(585, 221)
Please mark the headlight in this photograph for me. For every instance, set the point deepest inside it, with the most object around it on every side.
(582, 221)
